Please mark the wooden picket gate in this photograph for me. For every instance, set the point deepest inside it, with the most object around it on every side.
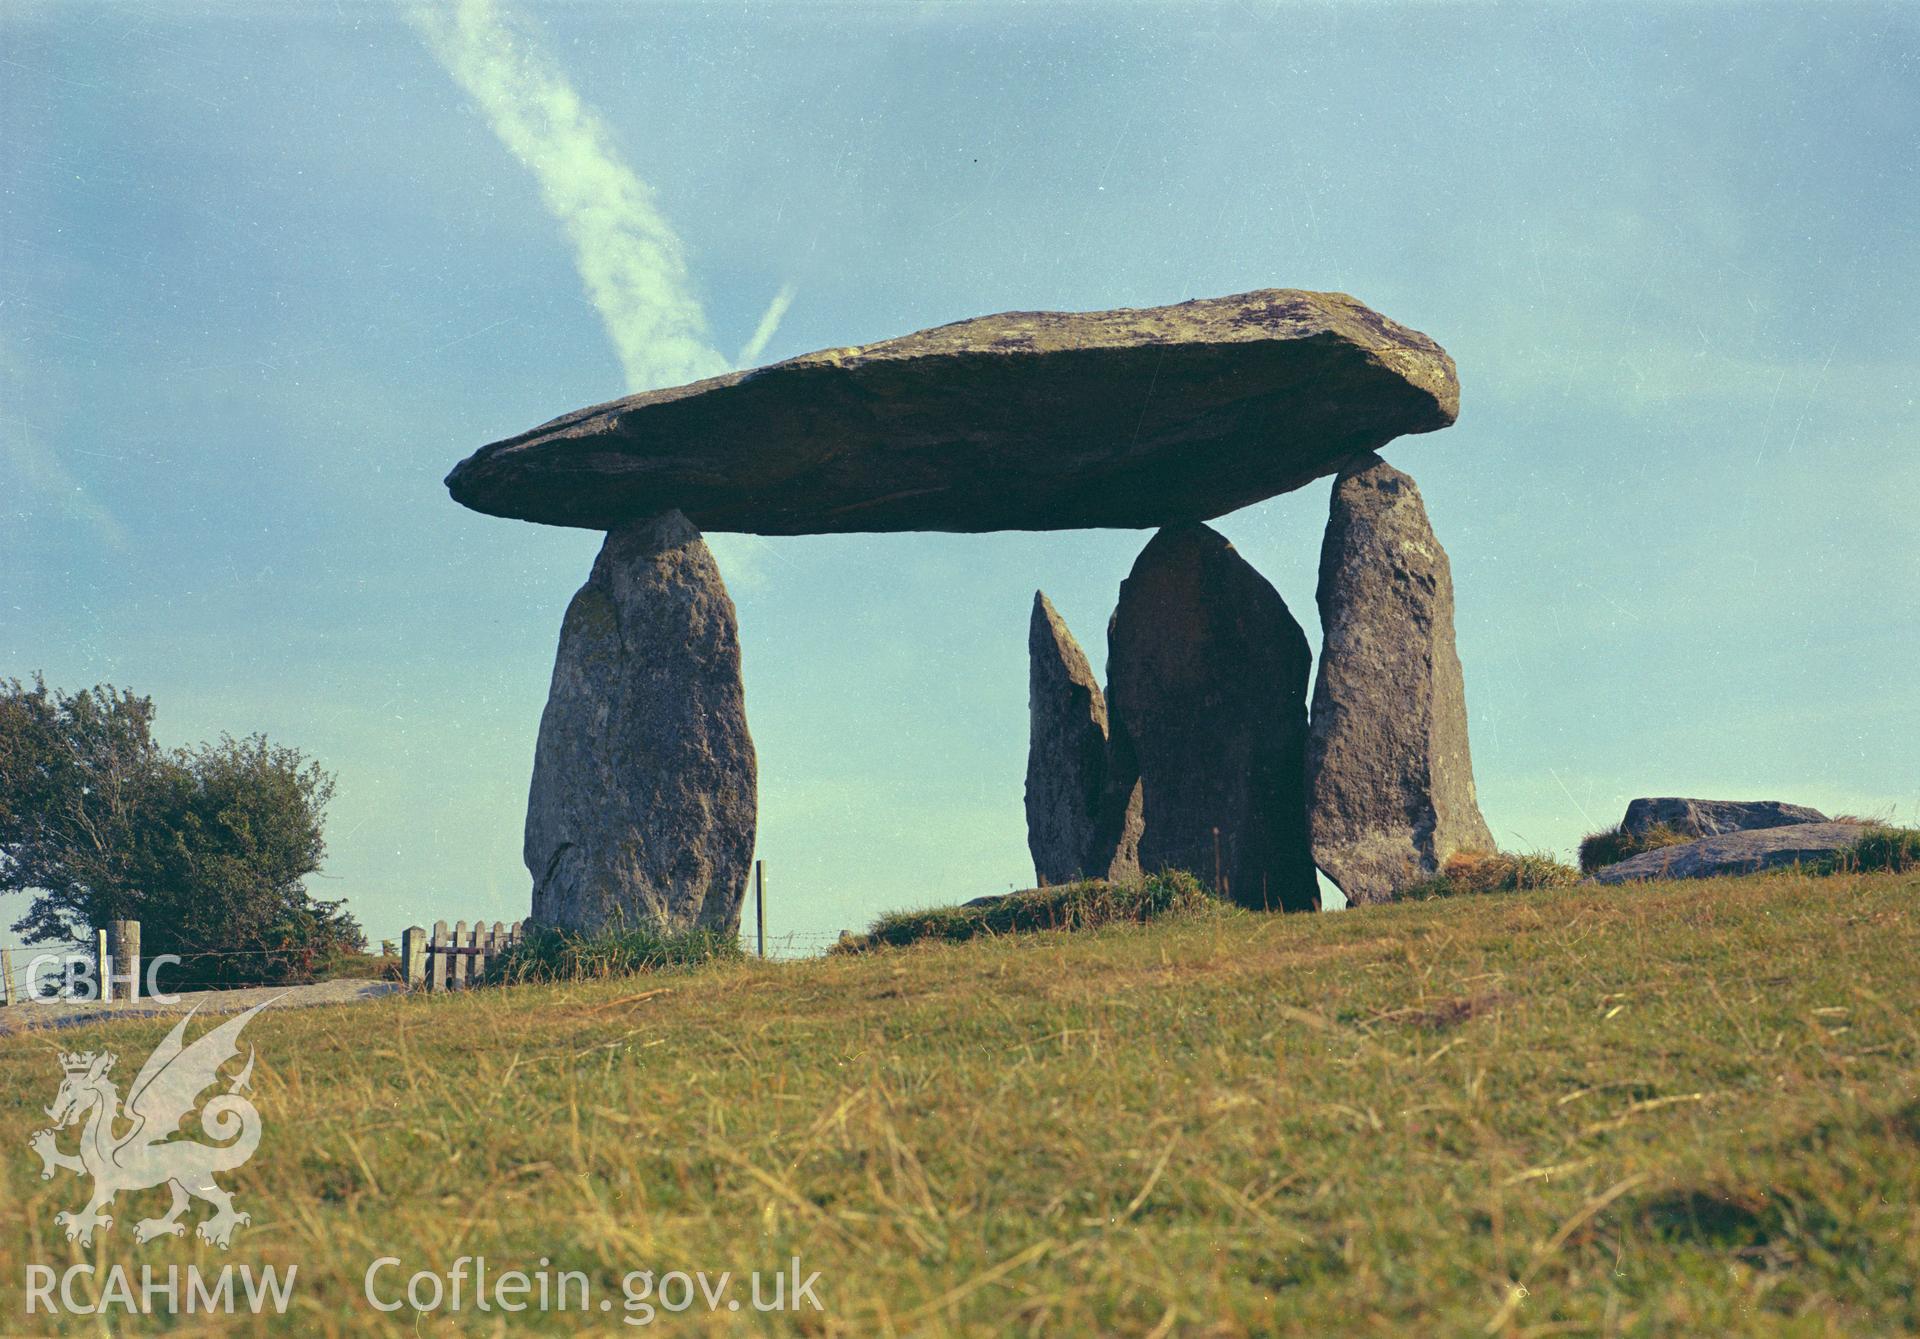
(453, 959)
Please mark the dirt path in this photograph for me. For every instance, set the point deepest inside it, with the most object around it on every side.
(31, 1017)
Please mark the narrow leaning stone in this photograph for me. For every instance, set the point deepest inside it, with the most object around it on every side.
(1066, 749)
(1390, 773)
(643, 799)
(1207, 698)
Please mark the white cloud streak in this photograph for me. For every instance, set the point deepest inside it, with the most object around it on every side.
(630, 260)
(29, 468)
(750, 352)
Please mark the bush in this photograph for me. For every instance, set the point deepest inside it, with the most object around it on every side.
(208, 848)
(549, 954)
(1879, 848)
(1600, 849)
(1086, 905)
(1503, 872)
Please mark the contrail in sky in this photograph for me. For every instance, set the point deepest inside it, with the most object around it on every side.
(630, 260)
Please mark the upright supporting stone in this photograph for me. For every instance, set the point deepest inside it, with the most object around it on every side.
(1066, 749)
(643, 798)
(1390, 773)
(1207, 701)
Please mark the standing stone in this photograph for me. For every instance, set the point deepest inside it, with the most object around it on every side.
(642, 805)
(1066, 749)
(1390, 774)
(1207, 694)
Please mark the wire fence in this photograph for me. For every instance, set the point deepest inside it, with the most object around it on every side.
(40, 971)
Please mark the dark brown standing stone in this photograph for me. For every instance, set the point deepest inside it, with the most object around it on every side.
(1390, 774)
(1066, 749)
(1021, 421)
(1207, 698)
(643, 798)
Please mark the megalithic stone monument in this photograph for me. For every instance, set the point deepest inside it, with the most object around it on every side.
(1025, 421)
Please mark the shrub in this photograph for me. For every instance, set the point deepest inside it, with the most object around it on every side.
(208, 848)
(1501, 872)
(1600, 849)
(549, 954)
(1086, 905)
(1879, 848)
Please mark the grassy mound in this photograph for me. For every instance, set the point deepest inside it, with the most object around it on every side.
(1879, 848)
(1503, 872)
(1086, 905)
(547, 954)
(1610, 847)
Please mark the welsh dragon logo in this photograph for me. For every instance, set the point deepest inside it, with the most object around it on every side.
(133, 1149)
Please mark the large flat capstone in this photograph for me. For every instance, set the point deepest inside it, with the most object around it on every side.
(1135, 418)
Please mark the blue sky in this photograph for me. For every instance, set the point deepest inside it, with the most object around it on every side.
(265, 276)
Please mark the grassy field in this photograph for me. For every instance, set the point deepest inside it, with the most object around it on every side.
(1650, 1110)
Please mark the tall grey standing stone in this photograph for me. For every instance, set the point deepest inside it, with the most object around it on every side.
(1390, 773)
(1066, 749)
(1207, 698)
(643, 799)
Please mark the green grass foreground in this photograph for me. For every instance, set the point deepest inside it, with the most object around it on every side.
(1659, 1110)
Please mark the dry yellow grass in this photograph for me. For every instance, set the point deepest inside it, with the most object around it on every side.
(1669, 1109)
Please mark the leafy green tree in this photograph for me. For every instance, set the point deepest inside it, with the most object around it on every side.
(208, 848)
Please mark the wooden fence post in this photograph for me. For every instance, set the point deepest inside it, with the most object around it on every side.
(413, 957)
(760, 904)
(437, 971)
(462, 962)
(123, 940)
(6, 971)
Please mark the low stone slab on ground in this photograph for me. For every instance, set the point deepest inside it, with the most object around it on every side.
(1745, 852)
(1709, 818)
